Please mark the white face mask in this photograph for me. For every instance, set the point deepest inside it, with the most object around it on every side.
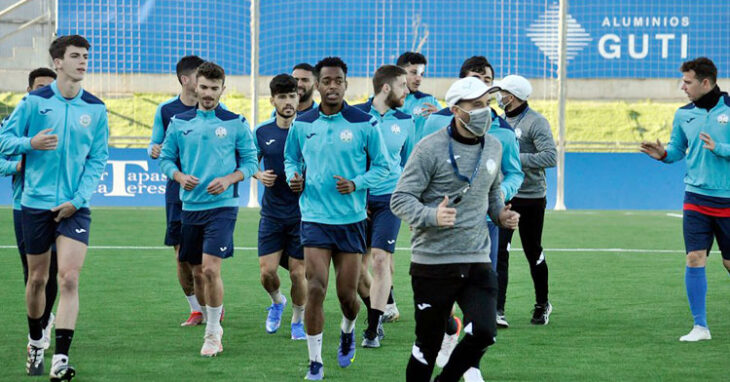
(479, 121)
(498, 96)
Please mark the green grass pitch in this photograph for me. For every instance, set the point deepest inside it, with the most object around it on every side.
(618, 314)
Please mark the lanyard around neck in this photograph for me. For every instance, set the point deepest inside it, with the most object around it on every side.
(456, 166)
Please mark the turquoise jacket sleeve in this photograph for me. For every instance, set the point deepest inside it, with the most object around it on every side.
(12, 135)
(379, 163)
(293, 153)
(158, 130)
(95, 163)
(248, 163)
(170, 151)
(722, 150)
(409, 143)
(677, 147)
(511, 168)
(8, 167)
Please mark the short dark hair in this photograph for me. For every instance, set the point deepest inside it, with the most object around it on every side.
(385, 75)
(40, 72)
(330, 62)
(411, 58)
(476, 64)
(303, 66)
(703, 68)
(283, 83)
(211, 71)
(187, 65)
(59, 45)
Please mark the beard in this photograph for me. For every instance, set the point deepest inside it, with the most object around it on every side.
(307, 95)
(394, 102)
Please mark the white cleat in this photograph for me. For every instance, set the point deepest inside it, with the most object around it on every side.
(447, 346)
(473, 375)
(391, 313)
(212, 344)
(698, 333)
(47, 332)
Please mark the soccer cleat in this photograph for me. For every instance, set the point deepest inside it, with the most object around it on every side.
(34, 360)
(346, 350)
(448, 344)
(473, 375)
(315, 372)
(273, 319)
(212, 344)
(370, 340)
(541, 314)
(47, 332)
(698, 333)
(502, 320)
(391, 313)
(381, 331)
(61, 370)
(297, 331)
(195, 319)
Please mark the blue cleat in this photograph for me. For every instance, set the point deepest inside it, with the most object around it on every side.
(346, 350)
(297, 331)
(316, 371)
(273, 319)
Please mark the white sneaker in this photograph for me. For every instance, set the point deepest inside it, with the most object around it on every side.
(447, 346)
(473, 375)
(391, 313)
(47, 332)
(60, 369)
(698, 333)
(212, 344)
(502, 321)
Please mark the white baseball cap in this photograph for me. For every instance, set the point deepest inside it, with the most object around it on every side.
(465, 89)
(517, 85)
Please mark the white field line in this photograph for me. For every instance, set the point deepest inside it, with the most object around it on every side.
(620, 250)
(675, 215)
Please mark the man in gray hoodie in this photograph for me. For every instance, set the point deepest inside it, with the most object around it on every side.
(537, 152)
(451, 181)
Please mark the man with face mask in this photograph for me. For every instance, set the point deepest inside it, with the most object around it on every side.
(450, 183)
(537, 152)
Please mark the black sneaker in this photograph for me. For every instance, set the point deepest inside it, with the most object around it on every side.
(541, 314)
(34, 360)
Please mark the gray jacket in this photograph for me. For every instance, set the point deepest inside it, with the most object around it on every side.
(537, 151)
(427, 177)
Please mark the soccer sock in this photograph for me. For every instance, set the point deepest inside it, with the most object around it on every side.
(366, 301)
(451, 326)
(204, 310)
(193, 302)
(63, 340)
(390, 297)
(348, 325)
(214, 319)
(695, 280)
(297, 313)
(35, 328)
(314, 344)
(373, 320)
(276, 297)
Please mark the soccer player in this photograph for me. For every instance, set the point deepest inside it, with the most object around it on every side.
(303, 73)
(215, 150)
(62, 131)
(185, 101)
(13, 166)
(343, 153)
(537, 152)
(279, 241)
(398, 131)
(700, 133)
(418, 104)
(448, 186)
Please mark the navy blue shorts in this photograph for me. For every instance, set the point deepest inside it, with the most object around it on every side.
(494, 243)
(706, 218)
(345, 238)
(383, 226)
(209, 232)
(40, 230)
(276, 236)
(173, 234)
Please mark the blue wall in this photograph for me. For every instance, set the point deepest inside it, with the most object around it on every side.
(148, 36)
(593, 181)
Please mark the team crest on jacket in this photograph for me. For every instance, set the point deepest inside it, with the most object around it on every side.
(518, 132)
(418, 110)
(346, 136)
(221, 132)
(395, 128)
(491, 166)
(723, 118)
(85, 120)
